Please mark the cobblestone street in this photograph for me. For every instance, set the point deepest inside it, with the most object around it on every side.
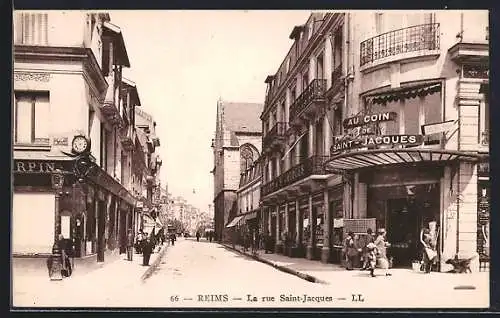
(203, 274)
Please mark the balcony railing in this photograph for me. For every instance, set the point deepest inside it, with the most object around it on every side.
(278, 130)
(314, 165)
(416, 38)
(314, 91)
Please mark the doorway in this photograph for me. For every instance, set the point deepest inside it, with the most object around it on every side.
(101, 223)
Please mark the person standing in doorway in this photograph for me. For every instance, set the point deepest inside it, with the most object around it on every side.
(382, 245)
(428, 250)
(130, 245)
(351, 251)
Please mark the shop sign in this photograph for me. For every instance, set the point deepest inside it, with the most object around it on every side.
(367, 119)
(40, 166)
(437, 127)
(368, 141)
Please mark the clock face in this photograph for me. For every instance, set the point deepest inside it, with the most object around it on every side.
(80, 144)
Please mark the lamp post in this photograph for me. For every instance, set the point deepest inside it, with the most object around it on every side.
(55, 261)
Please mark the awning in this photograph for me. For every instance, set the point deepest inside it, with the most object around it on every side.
(383, 157)
(250, 216)
(235, 221)
(402, 93)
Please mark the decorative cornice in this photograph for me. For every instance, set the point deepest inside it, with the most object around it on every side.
(31, 76)
(54, 53)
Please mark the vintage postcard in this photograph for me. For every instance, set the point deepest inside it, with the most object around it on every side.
(250, 159)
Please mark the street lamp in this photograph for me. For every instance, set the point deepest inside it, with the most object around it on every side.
(55, 260)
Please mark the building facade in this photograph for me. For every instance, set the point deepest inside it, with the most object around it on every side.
(236, 146)
(248, 213)
(68, 82)
(383, 120)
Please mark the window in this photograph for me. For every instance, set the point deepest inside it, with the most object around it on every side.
(104, 157)
(247, 157)
(420, 106)
(32, 118)
(379, 23)
(337, 49)
(484, 116)
(30, 28)
(337, 120)
(319, 67)
(287, 65)
(310, 30)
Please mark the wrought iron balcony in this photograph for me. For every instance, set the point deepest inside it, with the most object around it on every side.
(314, 165)
(412, 39)
(275, 136)
(314, 93)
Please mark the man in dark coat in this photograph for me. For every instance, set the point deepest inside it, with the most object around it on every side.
(130, 245)
(147, 249)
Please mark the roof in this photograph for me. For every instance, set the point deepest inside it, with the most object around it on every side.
(242, 117)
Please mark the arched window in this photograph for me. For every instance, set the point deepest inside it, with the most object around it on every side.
(248, 154)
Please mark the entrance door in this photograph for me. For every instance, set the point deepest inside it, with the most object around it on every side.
(101, 223)
(402, 219)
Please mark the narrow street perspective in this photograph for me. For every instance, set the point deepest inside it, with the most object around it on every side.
(251, 159)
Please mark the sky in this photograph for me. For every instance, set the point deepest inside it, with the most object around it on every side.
(184, 61)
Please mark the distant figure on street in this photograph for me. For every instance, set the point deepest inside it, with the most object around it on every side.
(382, 245)
(197, 236)
(147, 249)
(130, 245)
(138, 242)
(66, 250)
(173, 238)
(210, 236)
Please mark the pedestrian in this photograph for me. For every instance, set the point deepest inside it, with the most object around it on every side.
(429, 253)
(382, 245)
(366, 251)
(210, 236)
(172, 239)
(66, 251)
(130, 245)
(371, 258)
(197, 236)
(138, 242)
(147, 249)
(351, 252)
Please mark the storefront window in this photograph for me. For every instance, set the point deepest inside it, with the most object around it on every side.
(420, 106)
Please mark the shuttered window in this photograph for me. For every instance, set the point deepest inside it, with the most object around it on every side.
(30, 28)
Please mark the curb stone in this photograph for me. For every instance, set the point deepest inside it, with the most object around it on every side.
(285, 269)
(154, 265)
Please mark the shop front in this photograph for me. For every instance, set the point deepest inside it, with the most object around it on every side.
(404, 184)
(85, 210)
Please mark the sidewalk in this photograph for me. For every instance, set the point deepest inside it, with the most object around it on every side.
(111, 277)
(331, 274)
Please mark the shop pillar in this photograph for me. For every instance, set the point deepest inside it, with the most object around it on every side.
(312, 226)
(325, 250)
(55, 261)
(299, 220)
(277, 246)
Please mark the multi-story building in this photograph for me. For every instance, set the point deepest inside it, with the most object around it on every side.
(146, 133)
(382, 118)
(236, 146)
(248, 198)
(68, 82)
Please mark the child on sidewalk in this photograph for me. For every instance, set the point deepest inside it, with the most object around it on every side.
(371, 258)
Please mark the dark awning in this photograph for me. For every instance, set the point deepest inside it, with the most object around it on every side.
(250, 216)
(235, 221)
(403, 92)
(383, 157)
